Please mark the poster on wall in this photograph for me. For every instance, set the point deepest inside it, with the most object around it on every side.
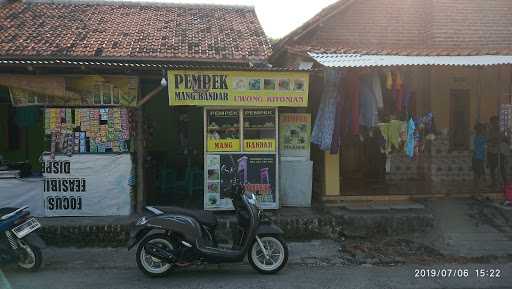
(86, 185)
(82, 90)
(256, 171)
(223, 130)
(259, 130)
(88, 130)
(294, 135)
(238, 88)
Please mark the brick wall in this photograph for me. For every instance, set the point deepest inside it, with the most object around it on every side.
(417, 24)
(375, 23)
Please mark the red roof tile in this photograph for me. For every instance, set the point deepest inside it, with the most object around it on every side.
(412, 27)
(131, 31)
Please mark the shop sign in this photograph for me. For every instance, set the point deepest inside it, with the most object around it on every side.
(72, 91)
(257, 172)
(86, 185)
(238, 88)
(261, 145)
(223, 130)
(294, 133)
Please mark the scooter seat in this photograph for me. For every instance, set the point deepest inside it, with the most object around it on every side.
(5, 211)
(203, 217)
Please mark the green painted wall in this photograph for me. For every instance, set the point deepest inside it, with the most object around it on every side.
(32, 142)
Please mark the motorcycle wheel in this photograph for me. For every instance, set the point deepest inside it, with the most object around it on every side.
(152, 266)
(32, 258)
(277, 249)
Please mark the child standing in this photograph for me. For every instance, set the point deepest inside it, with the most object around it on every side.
(479, 144)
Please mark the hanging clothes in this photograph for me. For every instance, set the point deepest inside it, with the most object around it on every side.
(385, 131)
(409, 147)
(367, 102)
(395, 127)
(377, 90)
(389, 102)
(389, 80)
(352, 84)
(398, 92)
(324, 123)
(339, 121)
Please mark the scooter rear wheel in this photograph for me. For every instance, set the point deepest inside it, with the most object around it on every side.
(277, 254)
(152, 266)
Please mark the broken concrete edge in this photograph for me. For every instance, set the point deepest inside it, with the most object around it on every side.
(114, 232)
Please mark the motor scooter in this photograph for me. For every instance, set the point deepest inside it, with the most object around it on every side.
(19, 242)
(174, 238)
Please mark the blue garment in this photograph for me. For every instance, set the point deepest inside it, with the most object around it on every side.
(409, 146)
(324, 123)
(479, 143)
(367, 102)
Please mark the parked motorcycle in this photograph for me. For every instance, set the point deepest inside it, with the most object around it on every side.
(19, 242)
(175, 238)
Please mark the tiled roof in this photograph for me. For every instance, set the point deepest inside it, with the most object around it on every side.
(131, 32)
(412, 27)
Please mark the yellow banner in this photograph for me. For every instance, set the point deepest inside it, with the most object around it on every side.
(229, 145)
(238, 88)
(259, 145)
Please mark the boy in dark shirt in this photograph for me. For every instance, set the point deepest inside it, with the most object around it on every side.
(479, 144)
(493, 143)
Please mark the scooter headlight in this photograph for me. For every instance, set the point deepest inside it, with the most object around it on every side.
(141, 221)
(254, 200)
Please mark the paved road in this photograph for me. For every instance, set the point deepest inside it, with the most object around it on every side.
(312, 265)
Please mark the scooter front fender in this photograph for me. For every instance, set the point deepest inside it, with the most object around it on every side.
(268, 229)
(35, 240)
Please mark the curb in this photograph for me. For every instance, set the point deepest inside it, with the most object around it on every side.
(107, 232)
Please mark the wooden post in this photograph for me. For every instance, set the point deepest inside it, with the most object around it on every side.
(139, 148)
(332, 174)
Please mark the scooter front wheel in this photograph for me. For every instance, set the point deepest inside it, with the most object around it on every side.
(31, 258)
(272, 257)
(150, 265)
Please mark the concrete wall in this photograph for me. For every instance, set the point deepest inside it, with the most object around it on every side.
(486, 87)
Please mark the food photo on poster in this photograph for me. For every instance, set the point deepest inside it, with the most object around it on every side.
(259, 130)
(223, 130)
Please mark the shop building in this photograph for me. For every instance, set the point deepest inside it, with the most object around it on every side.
(255, 127)
(85, 112)
(403, 85)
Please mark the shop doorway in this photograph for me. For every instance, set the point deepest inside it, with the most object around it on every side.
(459, 119)
(362, 165)
(174, 147)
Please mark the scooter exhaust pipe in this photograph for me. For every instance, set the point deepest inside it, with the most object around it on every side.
(159, 253)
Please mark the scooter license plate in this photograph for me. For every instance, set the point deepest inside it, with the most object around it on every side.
(26, 228)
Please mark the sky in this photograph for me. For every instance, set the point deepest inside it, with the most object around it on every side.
(278, 17)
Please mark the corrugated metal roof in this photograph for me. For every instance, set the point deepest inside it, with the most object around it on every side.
(153, 66)
(360, 60)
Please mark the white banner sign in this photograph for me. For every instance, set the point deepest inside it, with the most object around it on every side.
(87, 185)
(17, 193)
